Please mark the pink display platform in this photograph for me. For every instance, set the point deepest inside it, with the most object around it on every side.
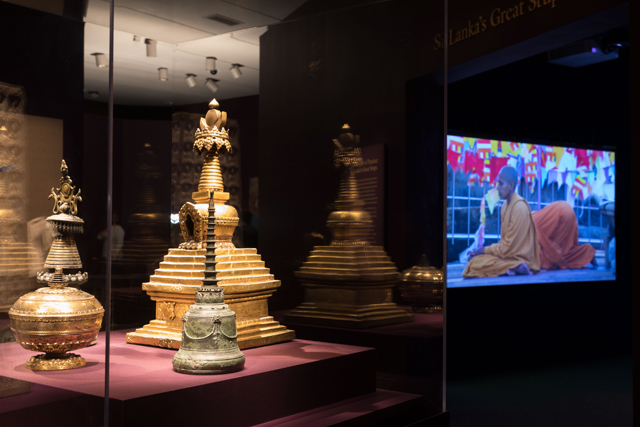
(278, 381)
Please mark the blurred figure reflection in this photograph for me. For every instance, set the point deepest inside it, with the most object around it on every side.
(117, 240)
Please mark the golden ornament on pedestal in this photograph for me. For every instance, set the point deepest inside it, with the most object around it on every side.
(241, 272)
(58, 319)
(422, 287)
(350, 282)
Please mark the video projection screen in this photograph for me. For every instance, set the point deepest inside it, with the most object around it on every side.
(570, 194)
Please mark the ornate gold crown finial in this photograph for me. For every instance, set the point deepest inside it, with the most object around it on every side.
(65, 198)
(212, 136)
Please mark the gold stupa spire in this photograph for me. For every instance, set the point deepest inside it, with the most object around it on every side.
(348, 155)
(214, 138)
(349, 223)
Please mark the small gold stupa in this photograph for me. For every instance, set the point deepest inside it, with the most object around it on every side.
(350, 282)
(58, 319)
(241, 272)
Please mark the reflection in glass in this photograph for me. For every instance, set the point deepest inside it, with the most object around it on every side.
(350, 282)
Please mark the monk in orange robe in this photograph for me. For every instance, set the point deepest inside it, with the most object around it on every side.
(517, 251)
(557, 229)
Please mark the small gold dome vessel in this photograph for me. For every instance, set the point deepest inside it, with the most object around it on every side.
(422, 287)
(56, 320)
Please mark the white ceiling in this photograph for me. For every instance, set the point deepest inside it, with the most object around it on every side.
(185, 38)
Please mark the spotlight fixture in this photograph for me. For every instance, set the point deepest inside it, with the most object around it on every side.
(152, 48)
(101, 59)
(93, 93)
(212, 84)
(136, 38)
(191, 80)
(210, 64)
(163, 74)
(235, 70)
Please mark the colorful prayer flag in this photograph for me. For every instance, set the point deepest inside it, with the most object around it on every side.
(496, 164)
(579, 188)
(455, 143)
(483, 148)
(453, 159)
(492, 198)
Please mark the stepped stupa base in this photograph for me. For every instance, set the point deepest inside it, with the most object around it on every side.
(348, 306)
(247, 286)
(348, 287)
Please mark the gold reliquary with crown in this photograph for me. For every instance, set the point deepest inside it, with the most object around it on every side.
(246, 281)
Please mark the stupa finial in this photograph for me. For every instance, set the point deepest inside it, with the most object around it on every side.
(65, 198)
(212, 136)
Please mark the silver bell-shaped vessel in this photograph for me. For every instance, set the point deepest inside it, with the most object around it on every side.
(209, 336)
(209, 332)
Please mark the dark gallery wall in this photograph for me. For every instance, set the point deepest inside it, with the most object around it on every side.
(45, 52)
(355, 66)
(46, 56)
(316, 74)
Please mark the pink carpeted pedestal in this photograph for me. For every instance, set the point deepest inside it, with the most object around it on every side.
(278, 381)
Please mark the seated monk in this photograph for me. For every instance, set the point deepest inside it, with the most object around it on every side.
(517, 251)
(557, 228)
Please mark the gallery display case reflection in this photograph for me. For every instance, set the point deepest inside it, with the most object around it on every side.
(19, 259)
(350, 282)
(422, 286)
(241, 272)
(147, 223)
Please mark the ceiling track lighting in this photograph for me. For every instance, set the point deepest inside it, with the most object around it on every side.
(163, 74)
(191, 80)
(210, 64)
(235, 70)
(152, 48)
(212, 85)
(101, 59)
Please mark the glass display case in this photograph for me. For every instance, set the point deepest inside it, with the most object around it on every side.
(257, 147)
(293, 153)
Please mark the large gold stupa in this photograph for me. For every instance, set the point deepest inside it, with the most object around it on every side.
(247, 283)
(350, 282)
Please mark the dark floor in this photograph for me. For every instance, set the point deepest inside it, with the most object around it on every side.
(593, 393)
